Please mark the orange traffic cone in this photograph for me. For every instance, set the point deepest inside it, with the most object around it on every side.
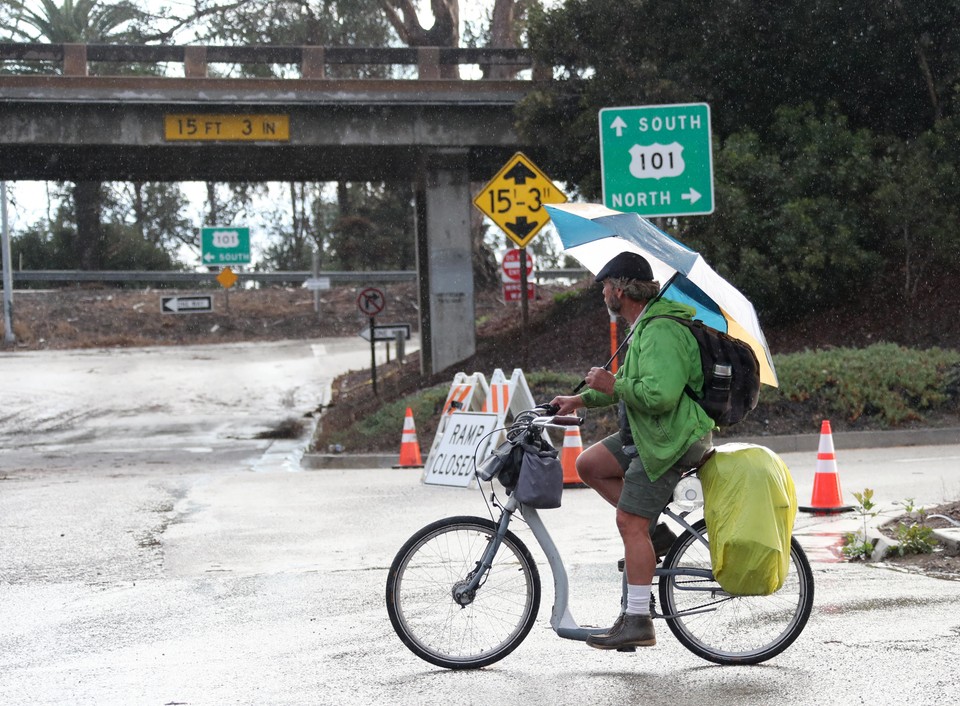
(409, 446)
(827, 497)
(572, 448)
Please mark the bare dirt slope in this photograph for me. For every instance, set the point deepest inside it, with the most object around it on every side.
(104, 317)
(83, 317)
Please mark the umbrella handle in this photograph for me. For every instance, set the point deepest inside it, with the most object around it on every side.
(606, 366)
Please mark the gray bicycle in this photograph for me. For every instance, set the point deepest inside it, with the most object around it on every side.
(464, 592)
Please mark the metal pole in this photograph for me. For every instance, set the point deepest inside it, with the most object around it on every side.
(524, 308)
(315, 270)
(373, 353)
(401, 346)
(8, 335)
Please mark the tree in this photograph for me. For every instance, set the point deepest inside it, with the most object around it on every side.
(375, 231)
(444, 32)
(80, 21)
(158, 214)
(890, 66)
(915, 207)
(50, 244)
(793, 229)
(295, 240)
(295, 23)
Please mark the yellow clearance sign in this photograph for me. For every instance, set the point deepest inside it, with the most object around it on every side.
(514, 199)
(227, 128)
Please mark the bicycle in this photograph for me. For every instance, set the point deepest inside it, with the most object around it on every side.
(463, 592)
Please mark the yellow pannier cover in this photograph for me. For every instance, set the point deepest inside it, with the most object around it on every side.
(749, 505)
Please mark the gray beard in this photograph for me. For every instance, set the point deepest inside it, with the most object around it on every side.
(614, 306)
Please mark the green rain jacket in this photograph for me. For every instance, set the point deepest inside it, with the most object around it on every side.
(662, 358)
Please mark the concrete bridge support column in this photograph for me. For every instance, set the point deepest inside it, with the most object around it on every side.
(444, 260)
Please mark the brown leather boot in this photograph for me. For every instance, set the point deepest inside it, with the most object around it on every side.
(617, 624)
(632, 631)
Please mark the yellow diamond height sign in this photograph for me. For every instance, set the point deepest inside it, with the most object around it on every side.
(514, 199)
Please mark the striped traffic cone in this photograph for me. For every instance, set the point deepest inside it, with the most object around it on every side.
(827, 497)
(409, 446)
(572, 448)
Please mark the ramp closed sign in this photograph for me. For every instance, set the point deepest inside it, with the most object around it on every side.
(466, 437)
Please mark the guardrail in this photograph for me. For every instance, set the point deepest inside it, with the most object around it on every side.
(171, 278)
(312, 61)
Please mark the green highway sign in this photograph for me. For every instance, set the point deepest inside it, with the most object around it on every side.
(225, 246)
(657, 160)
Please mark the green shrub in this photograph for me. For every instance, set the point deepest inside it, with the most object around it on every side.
(381, 428)
(915, 539)
(856, 545)
(914, 536)
(886, 382)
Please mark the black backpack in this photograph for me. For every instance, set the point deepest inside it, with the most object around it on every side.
(731, 373)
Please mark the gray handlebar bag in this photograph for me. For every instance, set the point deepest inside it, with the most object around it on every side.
(541, 478)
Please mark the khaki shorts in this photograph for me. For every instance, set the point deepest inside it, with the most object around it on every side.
(642, 496)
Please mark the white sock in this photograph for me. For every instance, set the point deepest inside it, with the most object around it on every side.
(638, 600)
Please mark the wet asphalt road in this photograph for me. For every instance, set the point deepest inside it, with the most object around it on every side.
(153, 552)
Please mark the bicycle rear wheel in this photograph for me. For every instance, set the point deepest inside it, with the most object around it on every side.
(491, 623)
(732, 629)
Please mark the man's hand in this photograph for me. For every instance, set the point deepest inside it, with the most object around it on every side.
(567, 404)
(601, 380)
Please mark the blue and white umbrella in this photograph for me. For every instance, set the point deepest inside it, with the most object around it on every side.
(594, 234)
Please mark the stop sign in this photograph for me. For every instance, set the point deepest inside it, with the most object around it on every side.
(511, 264)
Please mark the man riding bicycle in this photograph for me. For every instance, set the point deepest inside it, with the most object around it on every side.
(663, 431)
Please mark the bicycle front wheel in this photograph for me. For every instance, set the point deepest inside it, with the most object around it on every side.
(730, 629)
(480, 628)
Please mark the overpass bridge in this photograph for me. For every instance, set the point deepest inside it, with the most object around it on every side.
(70, 112)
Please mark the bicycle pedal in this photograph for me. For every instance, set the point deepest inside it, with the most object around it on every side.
(629, 648)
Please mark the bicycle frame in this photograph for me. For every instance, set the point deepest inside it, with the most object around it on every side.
(561, 618)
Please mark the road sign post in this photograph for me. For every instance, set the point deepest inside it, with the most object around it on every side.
(8, 335)
(371, 301)
(657, 160)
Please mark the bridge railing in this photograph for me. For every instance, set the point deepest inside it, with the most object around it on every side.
(313, 61)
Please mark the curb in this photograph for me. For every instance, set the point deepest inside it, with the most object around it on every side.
(852, 439)
(948, 536)
(347, 461)
(778, 444)
(882, 544)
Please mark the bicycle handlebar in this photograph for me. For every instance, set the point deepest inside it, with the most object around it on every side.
(541, 416)
(557, 421)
